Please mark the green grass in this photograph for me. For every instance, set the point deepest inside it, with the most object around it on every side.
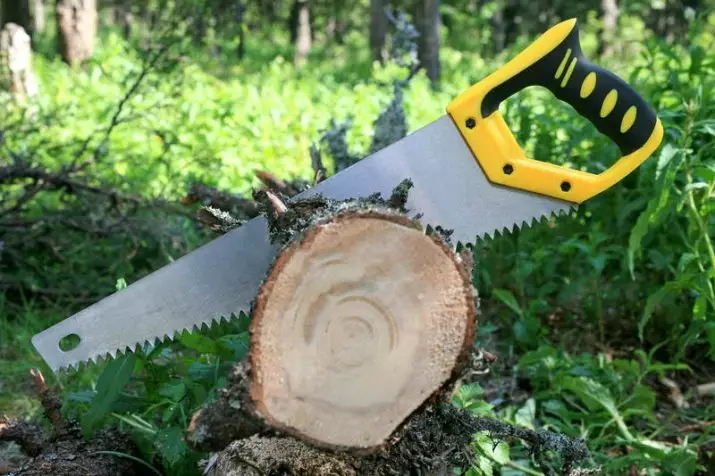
(588, 312)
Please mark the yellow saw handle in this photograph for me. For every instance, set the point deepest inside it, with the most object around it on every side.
(555, 61)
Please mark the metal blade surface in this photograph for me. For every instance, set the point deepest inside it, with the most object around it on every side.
(223, 276)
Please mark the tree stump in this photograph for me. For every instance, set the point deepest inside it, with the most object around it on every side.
(16, 61)
(76, 29)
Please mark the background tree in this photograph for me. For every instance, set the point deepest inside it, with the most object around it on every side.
(76, 29)
(302, 28)
(427, 21)
(610, 24)
(378, 29)
(38, 16)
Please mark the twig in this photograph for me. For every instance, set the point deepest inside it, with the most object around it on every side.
(50, 403)
(279, 207)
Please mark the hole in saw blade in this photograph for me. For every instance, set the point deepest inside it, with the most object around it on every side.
(69, 342)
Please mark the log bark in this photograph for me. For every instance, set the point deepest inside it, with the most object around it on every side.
(76, 29)
(16, 72)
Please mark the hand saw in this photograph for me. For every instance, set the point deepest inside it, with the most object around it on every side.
(469, 173)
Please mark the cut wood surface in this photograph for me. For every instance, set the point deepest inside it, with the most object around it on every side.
(358, 323)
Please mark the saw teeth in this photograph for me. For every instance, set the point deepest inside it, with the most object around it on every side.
(101, 358)
(527, 223)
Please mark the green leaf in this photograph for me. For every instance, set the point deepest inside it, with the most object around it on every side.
(594, 394)
(656, 210)
(680, 463)
(170, 443)
(110, 384)
(236, 346)
(199, 343)
(700, 307)
(667, 153)
(710, 332)
(121, 284)
(175, 391)
(654, 299)
(493, 453)
(685, 260)
(696, 186)
(526, 415)
(508, 298)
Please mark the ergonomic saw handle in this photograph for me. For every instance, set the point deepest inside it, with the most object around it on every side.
(555, 61)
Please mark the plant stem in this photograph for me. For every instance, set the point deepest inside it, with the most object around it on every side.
(703, 229)
(511, 464)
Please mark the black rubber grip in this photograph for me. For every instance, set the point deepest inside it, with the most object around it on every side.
(564, 71)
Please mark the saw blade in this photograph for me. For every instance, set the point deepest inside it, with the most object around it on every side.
(221, 278)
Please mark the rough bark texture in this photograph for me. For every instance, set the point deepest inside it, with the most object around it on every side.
(428, 25)
(76, 29)
(378, 29)
(16, 62)
(433, 441)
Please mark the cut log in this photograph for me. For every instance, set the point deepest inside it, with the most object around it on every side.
(359, 322)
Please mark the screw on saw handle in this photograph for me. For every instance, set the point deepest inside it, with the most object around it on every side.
(555, 61)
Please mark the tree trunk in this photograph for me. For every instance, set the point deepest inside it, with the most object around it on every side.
(125, 18)
(303, 32)
(240, 13)
(17, 12)
(337, 21)
(378, 29)
(428, 25)
(38, 16)
(610, 23)
(16, 61)
(77, 29)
